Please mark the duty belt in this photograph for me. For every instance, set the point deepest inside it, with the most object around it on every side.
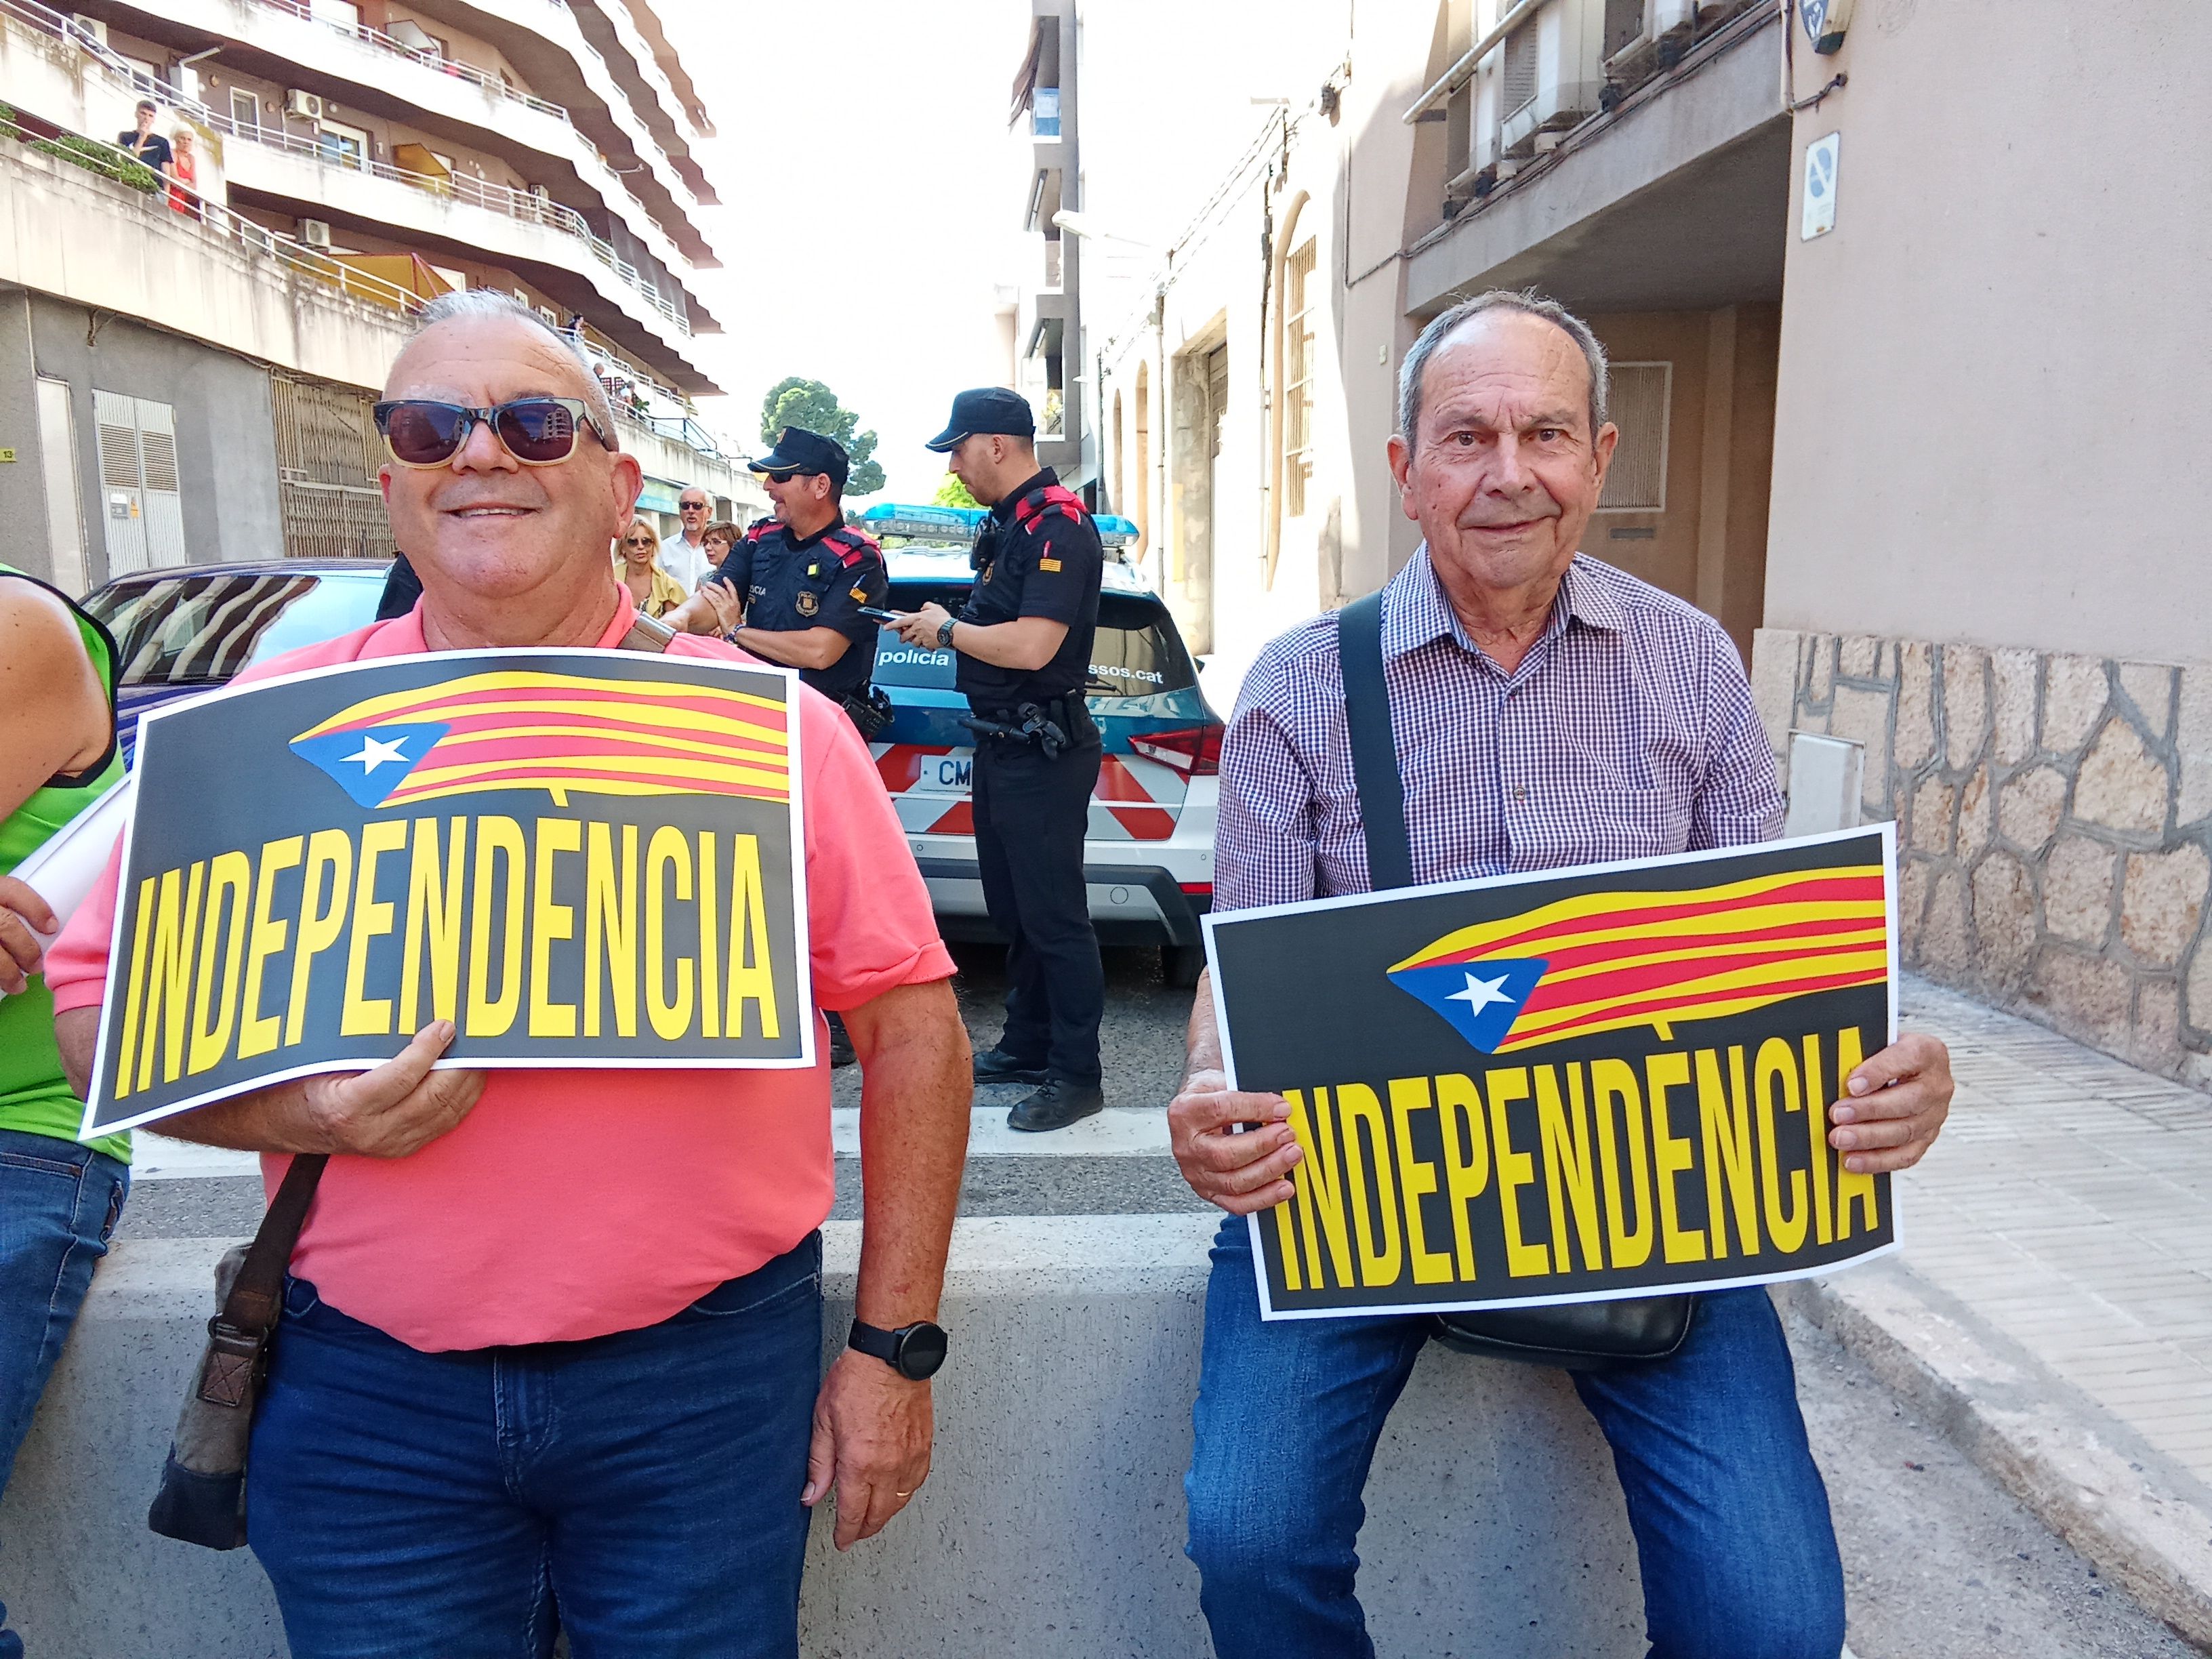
(1053, 725)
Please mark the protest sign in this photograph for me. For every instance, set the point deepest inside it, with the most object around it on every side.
(581, 858)
(1567, 1086)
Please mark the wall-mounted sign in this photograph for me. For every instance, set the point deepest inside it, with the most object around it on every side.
(1821, 157)
(1824, 23)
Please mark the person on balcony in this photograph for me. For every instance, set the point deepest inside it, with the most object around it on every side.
(143, 143)
(638, 563)
(184, 174)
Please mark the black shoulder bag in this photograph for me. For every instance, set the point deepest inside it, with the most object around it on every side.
(1583, 1336)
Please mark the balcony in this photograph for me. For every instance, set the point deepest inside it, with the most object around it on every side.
(1621, 155)
(624, 47)
(545, 41)
(286, 41)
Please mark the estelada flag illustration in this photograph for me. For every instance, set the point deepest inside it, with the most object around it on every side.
(1601, 962)
(560, 733)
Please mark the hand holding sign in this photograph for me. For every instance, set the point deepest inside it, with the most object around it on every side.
(1241, 1173)
(395, 1108)
(24, 919)
(1899, 1100)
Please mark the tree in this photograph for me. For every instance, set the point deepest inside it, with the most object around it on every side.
(953, 493)
(793, 401)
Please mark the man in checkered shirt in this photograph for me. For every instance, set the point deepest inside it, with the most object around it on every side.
(1548, 710)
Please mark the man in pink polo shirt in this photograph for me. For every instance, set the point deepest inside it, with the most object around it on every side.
(550, 1353)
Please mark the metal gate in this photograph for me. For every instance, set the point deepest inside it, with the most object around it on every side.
(327, 454)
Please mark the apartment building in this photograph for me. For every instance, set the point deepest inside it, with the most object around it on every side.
(1894, 339)
(186, 377)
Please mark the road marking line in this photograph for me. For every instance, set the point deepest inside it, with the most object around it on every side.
(1117, 1132)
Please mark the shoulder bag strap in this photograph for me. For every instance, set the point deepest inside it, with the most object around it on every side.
(1374, 746)
(249, 1311)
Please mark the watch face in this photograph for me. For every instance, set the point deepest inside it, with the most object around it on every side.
(920, 1351)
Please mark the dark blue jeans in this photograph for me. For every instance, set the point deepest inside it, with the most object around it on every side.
(640, 1490)
(59, 1203)
(1731, 1516)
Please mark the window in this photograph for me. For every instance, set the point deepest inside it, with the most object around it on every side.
(245, 111)
(343, 146)
(1044, 113)
(1637, 482)
(1517, 89)
(1297, 378)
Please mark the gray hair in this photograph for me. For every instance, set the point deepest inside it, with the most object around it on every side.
(1529, 304)
(483, 303)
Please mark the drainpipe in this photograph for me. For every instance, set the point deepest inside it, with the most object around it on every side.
(1283, 241)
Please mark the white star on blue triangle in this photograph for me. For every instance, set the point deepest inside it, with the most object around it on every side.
(1480, 999)
(368, 762)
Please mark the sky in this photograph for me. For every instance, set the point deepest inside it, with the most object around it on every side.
(870, 204)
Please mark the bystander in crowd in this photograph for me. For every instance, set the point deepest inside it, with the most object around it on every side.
(60, 1198)
(638, 562)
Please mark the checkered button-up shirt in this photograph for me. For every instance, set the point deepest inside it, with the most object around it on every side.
(1627, 732)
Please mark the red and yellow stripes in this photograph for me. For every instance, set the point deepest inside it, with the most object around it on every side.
(1619, 959)
(568, 733)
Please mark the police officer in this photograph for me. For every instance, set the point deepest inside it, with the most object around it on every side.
(1023, 642)
(791, 591)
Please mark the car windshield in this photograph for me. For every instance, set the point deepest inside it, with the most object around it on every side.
(196, 630)
(1137, 652)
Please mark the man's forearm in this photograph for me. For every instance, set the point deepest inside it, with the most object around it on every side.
(1202, 1041)
(1027, 643)
(804, 647)
(276, 1119)
(914, 1141)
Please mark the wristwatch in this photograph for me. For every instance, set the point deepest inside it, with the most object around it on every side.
(944, 633)
(914, 1351)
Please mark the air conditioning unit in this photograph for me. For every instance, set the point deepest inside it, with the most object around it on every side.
(541, 192)
(92, 29)
(316, 232)
(303, 106)
(1545, 76)
(1635, 30)
(552, 318)
(523, 296)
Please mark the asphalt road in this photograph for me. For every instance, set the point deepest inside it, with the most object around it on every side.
(1941, 1563)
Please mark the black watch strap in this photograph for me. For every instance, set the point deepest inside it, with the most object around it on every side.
(913, 1350)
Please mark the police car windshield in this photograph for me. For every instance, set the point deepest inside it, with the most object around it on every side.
(1137, 653)
(201, 630)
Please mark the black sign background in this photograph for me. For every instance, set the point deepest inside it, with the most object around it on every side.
(219, 774)
(1304, 1001)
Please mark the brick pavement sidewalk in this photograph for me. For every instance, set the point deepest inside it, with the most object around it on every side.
(2052, 1306)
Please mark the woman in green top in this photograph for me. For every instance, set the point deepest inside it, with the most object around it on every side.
(58, 1199)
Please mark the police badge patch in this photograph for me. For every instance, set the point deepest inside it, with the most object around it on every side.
(808, 605)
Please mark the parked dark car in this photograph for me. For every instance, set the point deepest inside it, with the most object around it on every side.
(179, 632)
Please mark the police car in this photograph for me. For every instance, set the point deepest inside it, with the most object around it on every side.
(1148, 856)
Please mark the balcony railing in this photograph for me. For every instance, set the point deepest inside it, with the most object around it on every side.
(675, 420)
(468, 72)
(520, 205)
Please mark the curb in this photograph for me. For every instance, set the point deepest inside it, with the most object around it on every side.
(2126, 1508)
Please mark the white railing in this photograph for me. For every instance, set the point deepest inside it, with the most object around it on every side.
(427, 57)
(520, 205)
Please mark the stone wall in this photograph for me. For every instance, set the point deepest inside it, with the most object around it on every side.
(2054, 816)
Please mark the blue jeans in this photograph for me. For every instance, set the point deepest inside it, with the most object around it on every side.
(1731, 1516)
(640, 1490)
(58, 1204)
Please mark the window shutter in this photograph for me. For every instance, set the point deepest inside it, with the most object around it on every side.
(1637, 482)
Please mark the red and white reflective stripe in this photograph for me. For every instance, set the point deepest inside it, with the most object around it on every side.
(1136, 800)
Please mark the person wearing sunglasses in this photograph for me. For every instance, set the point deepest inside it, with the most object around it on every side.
(638, 562)
(686, 555)
(551, 1355)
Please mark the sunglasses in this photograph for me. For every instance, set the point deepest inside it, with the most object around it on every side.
(691, 506)
(638, 541)
(421, 432)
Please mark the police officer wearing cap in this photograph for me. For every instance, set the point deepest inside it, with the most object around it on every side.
(1024, 640)
(791, 591)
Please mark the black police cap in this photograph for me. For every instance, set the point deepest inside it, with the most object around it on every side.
(986, 408)
(798, 450)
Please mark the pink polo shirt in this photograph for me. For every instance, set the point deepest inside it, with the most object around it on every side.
(572, 1204)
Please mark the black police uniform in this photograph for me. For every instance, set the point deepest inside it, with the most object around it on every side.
(790, 583)
(1039, 555)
